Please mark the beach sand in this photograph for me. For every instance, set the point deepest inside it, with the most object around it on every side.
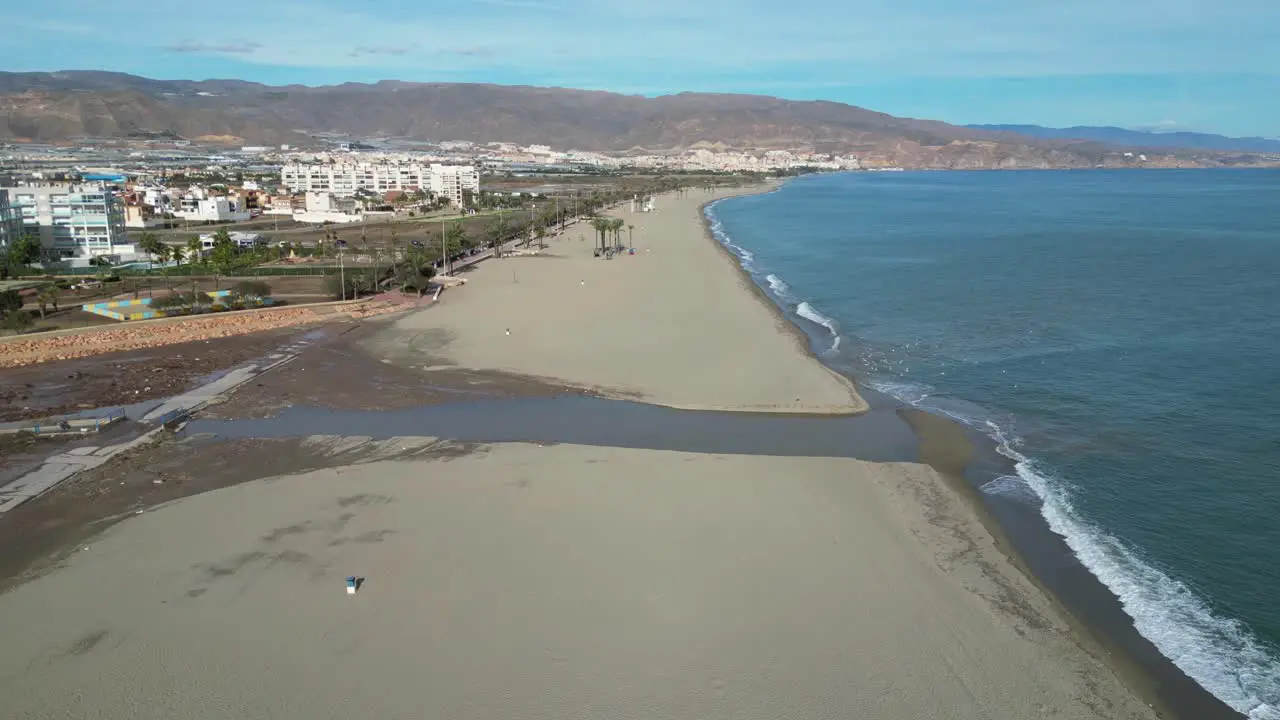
(669, 325)
(551, 582)
(522, 581)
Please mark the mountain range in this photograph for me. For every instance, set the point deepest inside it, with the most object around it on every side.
(65, 105)
(1143, 138)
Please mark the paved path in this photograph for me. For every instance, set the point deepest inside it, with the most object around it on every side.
(59, 467)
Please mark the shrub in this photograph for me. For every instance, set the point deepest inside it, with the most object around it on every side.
(10, 301)
(17, 320)
(357, 282)
(251, 288)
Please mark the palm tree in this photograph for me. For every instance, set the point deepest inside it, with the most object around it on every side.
(149, 244)
(499, 232)
(177, 253)
(194, 246)
(163, 252)
(455, 236)
(600, 225)
(631, 238)
(540, 233)
(616, 226)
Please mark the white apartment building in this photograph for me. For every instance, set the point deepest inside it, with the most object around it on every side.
(451, 181)
(344, 179)
(210, 209)
(75, 221)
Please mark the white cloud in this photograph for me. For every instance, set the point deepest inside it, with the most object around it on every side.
(234, 47)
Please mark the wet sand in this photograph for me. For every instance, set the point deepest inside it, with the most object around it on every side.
(669, 325)
(551, 582)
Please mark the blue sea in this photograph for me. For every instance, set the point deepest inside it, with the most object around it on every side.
(1115, 332)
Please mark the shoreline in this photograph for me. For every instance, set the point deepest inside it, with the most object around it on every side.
(533, 554)
(1098, 621)
(659, 326)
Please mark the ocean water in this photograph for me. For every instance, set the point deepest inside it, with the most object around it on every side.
(1115, 332)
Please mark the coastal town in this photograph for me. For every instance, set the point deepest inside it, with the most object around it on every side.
(346, 319)
(93, 201)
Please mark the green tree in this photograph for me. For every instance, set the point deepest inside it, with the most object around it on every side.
(601, 226)
(177, 253)
(631, 238)
(413, 274)
(17, 320)
(616, 226)
(162, 254)
(223, 256)
(10, 302)
(194, 248)
(26, 249)
(149, 244)
(48, 296)
(454, 237)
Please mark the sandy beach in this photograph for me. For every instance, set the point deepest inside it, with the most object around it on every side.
(519, 580)
(550, 582)
(670, 325)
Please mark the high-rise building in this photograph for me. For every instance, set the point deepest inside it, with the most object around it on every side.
(73, 221)
(451, 181)
(10, 221)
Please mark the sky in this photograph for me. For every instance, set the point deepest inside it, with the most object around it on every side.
(1202, 65)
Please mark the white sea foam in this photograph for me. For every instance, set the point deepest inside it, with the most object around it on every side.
(779, 288)
(808, 312)
(1218, 653)
(1011, 487)
(908, 393)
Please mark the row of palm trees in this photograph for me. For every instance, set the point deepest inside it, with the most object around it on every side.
(161, 252)
(605, 227)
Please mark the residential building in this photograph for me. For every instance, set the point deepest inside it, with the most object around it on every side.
(451, 181)
(323, 207)
(10, 220)
(346, 179)
(73, 221)
(210, 209)
(142, 216)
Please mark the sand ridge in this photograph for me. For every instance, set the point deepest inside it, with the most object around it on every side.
(670, 325)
